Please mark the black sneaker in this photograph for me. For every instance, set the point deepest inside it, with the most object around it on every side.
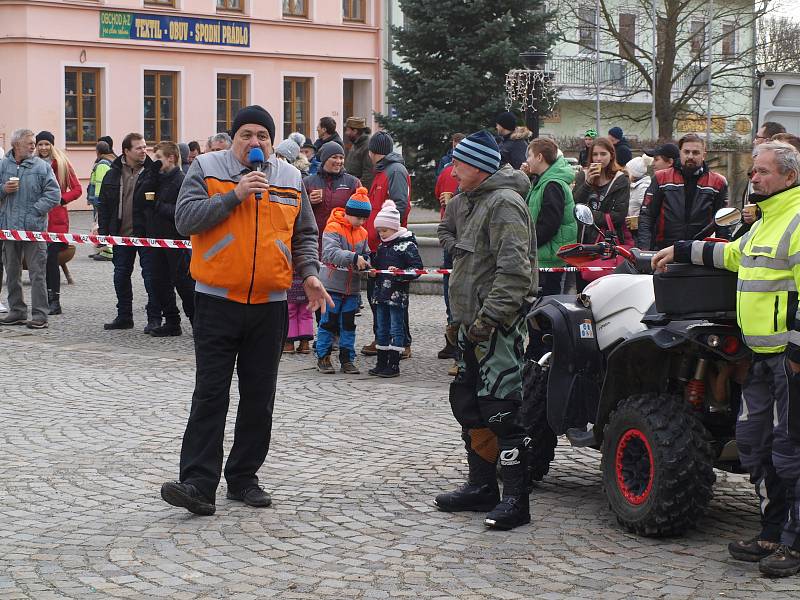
(151, 325)
(784, 562)
(187, 496)
(252, 496)
(752, 550)
(119, 323)
(36, 324)
(166, 330)
(11, 320)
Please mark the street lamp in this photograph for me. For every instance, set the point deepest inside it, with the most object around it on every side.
(533, 78)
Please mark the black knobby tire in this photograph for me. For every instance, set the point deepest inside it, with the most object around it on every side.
(656, 465)
(533, 416)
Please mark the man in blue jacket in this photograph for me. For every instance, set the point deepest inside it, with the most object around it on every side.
(28, 191)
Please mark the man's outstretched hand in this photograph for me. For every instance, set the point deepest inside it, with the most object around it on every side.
(318, 298)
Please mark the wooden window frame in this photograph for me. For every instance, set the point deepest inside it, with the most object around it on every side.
(229, 115)
(228, 8)
(292, 15)
(158, 137)
(351, 4)
(728, 42)
(586, 29)
(627, 47)
(79, 104)
(293, 101)
(161, 3)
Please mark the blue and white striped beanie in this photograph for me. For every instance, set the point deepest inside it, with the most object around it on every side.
(479, 150)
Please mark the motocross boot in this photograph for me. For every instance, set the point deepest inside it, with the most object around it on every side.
(479, 493)
(514, 509)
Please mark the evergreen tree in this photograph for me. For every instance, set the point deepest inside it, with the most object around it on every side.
(457, 54)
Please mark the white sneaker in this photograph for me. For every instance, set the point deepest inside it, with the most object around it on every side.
(3, 308)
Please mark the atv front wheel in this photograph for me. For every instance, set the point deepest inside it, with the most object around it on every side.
(656, 465)
(533, 415)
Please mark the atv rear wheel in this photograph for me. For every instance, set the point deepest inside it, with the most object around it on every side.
(533, 415)
(657, 465)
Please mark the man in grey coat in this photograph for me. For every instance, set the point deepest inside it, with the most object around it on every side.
(28, 191)
(491, 286)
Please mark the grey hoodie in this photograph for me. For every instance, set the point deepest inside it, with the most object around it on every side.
(494, 255)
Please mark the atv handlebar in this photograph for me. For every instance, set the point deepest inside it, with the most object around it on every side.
(579, 254)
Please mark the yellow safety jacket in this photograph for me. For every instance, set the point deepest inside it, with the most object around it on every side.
(767, 261)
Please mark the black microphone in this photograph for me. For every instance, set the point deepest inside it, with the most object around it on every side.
(256, 158)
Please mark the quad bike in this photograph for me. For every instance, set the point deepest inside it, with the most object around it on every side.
(648, 370)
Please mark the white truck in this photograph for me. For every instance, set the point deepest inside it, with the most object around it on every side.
(779, 100)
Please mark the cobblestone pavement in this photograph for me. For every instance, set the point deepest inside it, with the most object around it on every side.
(91, 427)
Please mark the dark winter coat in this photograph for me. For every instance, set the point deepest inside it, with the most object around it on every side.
(159, 216)
(401, 253)
(358, 163)
(667, 215)
(337, 188)
(611, 199)
(334, 138)
(514, 147)
(623, 150)
(108, 220)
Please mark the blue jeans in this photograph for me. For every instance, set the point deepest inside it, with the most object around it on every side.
(124, 259)
(447, 263)
(372, 305)
(391, 333)
(339, 320)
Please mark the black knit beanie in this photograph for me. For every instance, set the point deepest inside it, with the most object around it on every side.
(46, 135)
(254, 114)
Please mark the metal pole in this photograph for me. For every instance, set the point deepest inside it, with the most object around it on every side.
(653, 124)
(710, 61)
(597, 63)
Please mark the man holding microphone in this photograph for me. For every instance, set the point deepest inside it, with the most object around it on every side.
(250, 228)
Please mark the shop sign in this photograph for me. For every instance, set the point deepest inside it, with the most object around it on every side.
(169, 28)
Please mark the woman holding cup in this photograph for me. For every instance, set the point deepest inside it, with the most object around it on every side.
(605, 188)
(331, 187)
(58, 218)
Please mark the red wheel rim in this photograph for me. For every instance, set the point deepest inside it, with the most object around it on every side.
(633, 464)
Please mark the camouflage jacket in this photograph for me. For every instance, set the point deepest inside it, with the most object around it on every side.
(494, 255)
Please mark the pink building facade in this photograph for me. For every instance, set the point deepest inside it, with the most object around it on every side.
(179, 69)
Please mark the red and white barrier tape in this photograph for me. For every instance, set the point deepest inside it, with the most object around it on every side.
(448, 271)
(16, 235)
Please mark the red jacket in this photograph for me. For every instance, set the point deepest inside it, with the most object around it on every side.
(391, 182)
(58, 218)
(445, 183)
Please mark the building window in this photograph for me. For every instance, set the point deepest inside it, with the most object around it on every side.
(728, 40)
(354, 10)
(81, 105)
(662, 38)
(586, 28)
(348, 98)
(230, 5)
(698, 37)
(627, 35)
(295, 8)
(160, 106)
(231, 93)
(296, 105)
(160, 3)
